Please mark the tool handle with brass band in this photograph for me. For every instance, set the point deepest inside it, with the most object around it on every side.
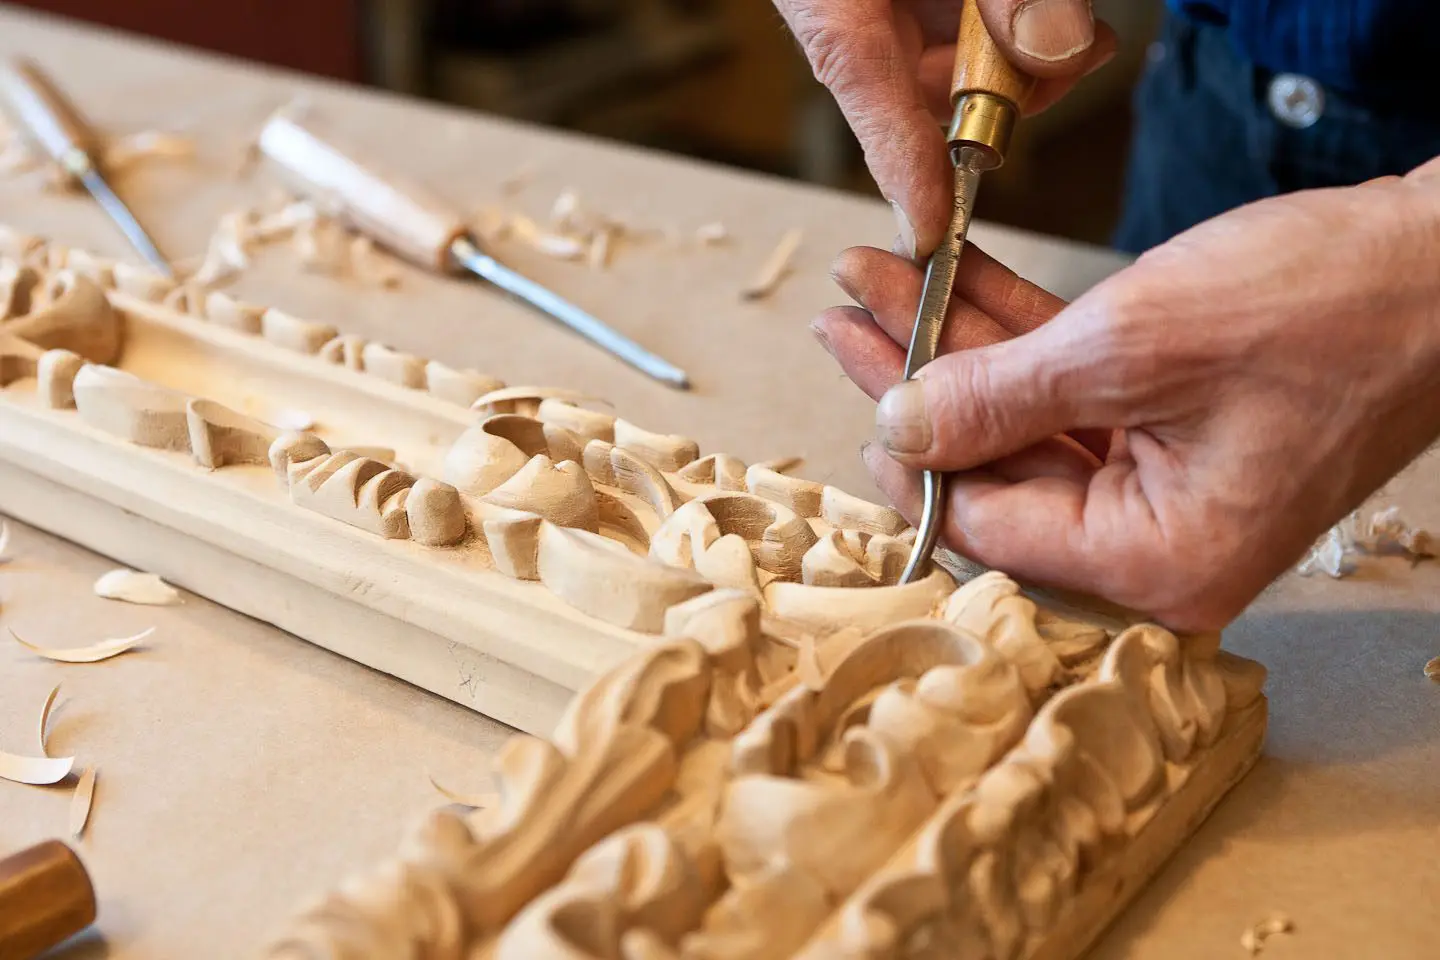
(987, 90)
(45, 898)
(406, 221)
(46, 114)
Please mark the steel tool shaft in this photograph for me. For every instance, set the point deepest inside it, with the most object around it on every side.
(987, 93)
(414, 225)
(59, 130)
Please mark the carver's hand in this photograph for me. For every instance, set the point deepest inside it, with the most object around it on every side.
(888, 65)
(1178, 436)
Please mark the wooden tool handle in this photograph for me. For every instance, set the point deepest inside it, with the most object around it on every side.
(981, 67)
(46, 114)
(45, 898)
(409, 223)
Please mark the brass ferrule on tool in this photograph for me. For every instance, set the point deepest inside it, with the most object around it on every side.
(983, 120)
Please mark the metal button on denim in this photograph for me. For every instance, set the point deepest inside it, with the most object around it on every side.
(1296, 100)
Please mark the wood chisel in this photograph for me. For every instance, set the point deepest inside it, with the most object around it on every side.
(421, 230)
(59, 130)
(987, 94)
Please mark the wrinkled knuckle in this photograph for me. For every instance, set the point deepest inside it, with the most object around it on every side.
(841, 53)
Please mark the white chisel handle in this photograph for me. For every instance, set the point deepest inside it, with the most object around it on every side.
(407, 222)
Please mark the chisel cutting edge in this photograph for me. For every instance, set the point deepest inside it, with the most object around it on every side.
(987, 93)
(61, 133)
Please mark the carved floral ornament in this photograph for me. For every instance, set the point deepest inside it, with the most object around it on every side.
(809, 761)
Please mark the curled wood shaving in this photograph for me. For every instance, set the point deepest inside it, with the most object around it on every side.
(81, 801)
(45, 717)
(93, 653)
(1432, 669)
(282, 223)
(775, 268)
(1253, 939)
(1388, 533)
(558, 245)
(121, 152)
(226, 254)
(479, 801)
(36, 770)
(712, 234)
(134, 587)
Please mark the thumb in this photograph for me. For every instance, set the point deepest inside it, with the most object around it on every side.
(1046, 38)
(969, 408)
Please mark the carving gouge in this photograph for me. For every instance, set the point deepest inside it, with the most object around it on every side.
(987, 93)
(417, 227)
(60, 132)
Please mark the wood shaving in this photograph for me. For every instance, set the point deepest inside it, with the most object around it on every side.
(480, 801)
(81, 801)
(558, 245)
(1432, 669)
(282, 223)
(4, 541)
(369, 266)
(93, 653)
(776, 267)
(712, 234)
(122, 152)
(1388, 534)
(39, 770)
(565, 211)
(45, 717)
(226, 254)
(134, 587)
(1253, 939)
(1385, 533)
(599, 257)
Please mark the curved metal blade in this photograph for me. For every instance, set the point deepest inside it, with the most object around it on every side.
(925, 339)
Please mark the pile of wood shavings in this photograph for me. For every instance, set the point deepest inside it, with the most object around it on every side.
(1386, 533)
(319, 242)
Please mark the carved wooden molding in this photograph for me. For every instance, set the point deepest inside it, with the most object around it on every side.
(776, 750)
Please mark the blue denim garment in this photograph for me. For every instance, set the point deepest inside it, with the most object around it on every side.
(1380, 51)
(1206, 140)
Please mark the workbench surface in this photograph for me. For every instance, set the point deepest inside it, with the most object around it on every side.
(243, 770)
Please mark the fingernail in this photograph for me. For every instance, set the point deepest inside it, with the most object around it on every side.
(842, 280)
(1053, 29)
(905, 242)
(902, 420)
(822, 336)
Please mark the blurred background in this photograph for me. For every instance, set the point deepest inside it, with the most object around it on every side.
(716, 79)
